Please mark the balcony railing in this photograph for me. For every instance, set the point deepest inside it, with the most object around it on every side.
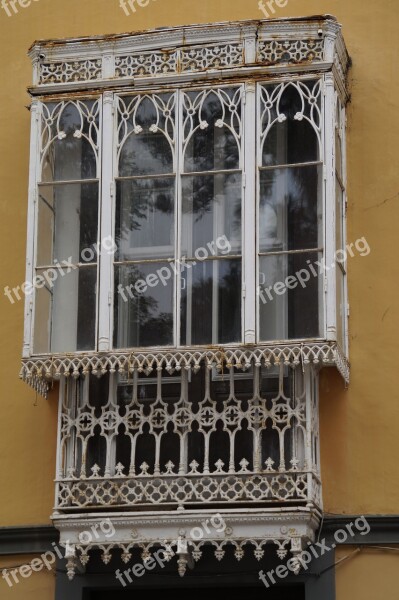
(212, 434)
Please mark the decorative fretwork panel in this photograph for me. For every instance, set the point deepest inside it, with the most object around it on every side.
(273, 106)
(290, 51)
(221, 105)
(181, 60)
(68, 71)
(220, 56)
(133, 120)
(186, 438)
(146, 63)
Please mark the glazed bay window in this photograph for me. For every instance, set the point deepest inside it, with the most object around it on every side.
(222, 198)
(200, 178)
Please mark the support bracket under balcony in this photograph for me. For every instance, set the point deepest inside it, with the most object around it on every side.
(182, 536)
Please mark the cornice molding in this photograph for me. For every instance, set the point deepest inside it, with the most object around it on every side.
(384, 529)
(59, 65)
(196, 29)
(27, 539)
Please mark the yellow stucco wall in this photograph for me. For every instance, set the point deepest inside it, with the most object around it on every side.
(39, 585)
(367, 575)
(358, 426)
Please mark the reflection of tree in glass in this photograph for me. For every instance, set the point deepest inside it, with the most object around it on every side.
(158, 331)
(88, 220)
(212, 147)
(144, 153)
(297, 190)
(202, 193)
(203, 198)
(294, 140)
(74, 153)
(144, 325)
(137, 201)
(302, 207)
(229, 312)
(230, 303)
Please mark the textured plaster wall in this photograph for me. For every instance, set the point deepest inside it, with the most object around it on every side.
(358, 426)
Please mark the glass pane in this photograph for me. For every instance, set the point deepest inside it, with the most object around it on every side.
(212, 121)
(289, 143)
(42, 325)
(211, 303)
(338, 143)
(339, 217)
(70, 130)
(338, 153)
(145, 154)
(145, 218)
(142, 123)
(340, 307)
(290, 292)
(143, 305)
(290, 212)
(45, 226)
(292, 138)
(211, 209)
(67, 223)
(68, 301)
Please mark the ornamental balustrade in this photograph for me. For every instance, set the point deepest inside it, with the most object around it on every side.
(188, 437)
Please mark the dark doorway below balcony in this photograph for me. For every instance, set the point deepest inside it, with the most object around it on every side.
(294, 592)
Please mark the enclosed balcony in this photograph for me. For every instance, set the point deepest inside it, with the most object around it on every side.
(179, 437)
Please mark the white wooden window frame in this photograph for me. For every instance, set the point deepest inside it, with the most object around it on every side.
(341, 181)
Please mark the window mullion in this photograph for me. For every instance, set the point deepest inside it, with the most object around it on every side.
(329, 204)
(179, 168)
(249, 216)
(344, 227)
(105, 287)
(34, 170)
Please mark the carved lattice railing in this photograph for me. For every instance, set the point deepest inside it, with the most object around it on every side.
(193, 436)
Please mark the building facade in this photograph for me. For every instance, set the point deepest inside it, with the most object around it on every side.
(199, 400)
